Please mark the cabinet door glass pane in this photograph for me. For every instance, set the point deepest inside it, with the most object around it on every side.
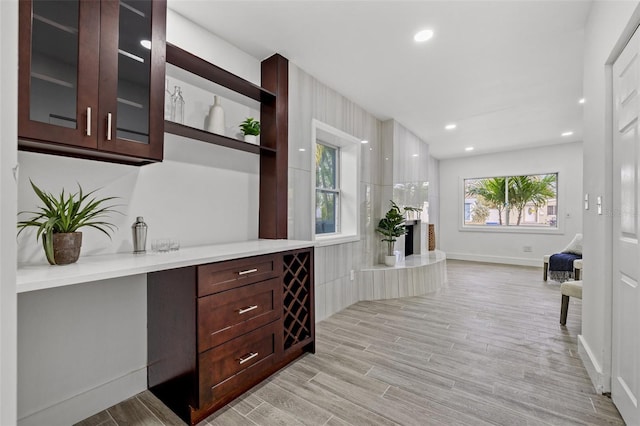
(54, 62)
(134, 70)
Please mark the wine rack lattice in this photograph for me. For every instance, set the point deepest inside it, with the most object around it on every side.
(297, 300)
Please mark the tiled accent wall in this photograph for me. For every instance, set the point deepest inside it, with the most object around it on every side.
(334, 288)
(310, 99)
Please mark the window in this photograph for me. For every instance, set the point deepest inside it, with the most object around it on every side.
(327, 189)
(335, 183)
(512, 201)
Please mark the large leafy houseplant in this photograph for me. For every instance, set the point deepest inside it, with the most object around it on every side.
(65, 214)
(391, 226)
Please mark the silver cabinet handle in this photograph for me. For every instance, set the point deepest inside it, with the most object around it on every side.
(88, 121)
(247, 309)
(109, 118)
(247, 357)
(248, 271)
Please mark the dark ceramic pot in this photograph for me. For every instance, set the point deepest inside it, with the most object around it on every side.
(66, 248)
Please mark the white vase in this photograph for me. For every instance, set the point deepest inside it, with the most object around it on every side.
(251, 139)
(216, 117)
(390, 260)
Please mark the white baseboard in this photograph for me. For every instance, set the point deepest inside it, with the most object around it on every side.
(86, 404)
(600, 380)
(521, 261)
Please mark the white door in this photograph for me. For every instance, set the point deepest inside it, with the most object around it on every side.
(625, 386)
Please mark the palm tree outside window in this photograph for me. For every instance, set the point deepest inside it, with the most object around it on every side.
(525, 200)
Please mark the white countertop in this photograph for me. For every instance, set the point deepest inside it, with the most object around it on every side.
(93, 268)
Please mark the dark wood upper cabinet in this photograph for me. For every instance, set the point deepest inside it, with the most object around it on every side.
(91, 78)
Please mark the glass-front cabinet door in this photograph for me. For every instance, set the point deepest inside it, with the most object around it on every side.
(92, 77)
(132, 57)
(58, 82)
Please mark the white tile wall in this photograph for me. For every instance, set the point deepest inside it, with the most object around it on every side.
(299, 205)
(386, 158)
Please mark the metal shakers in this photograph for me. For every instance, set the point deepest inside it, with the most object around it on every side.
(139, 230)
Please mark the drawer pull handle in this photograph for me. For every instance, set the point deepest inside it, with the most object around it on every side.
(88, 121)
(247, 357)
(248, 271)
(109, 124)
(247, 309)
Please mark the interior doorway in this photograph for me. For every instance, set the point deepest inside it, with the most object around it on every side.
(625, 350)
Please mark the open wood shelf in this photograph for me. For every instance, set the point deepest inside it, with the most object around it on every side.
(204, 136)
(273, 97)
(198, 66)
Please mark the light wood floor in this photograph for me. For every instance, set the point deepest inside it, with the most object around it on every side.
(487, 349)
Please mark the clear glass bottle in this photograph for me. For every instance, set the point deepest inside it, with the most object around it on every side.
(168, 101)
(174, 97)
(178, 106)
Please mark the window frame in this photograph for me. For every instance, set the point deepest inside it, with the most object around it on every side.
(515, 229)
(348, 176)
(336, 190)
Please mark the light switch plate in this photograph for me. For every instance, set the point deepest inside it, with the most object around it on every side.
(599, 204)
(586, 201)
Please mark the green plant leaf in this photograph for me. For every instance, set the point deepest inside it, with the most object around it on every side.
(67, 212)
(250, 126)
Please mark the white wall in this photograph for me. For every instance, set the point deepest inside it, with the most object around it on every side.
(503, 247)
(82, 349)
(8, 149)
(609, 26)
(96, 333)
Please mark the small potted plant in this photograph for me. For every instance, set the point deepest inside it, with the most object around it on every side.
(59, 219)
(413, 211)
(250, 129)
(391, 226)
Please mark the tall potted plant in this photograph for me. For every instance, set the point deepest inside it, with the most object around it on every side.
(59, 219)
(391, 226)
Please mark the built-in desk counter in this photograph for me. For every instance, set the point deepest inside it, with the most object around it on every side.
(94, 268)
(93, 333)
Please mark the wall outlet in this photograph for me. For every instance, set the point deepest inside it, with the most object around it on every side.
(352, 275)
(527, 249)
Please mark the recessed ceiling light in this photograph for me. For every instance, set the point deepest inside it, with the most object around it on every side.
(423, 35)
(582, 100)
(415, 155)
(567, 133)
(146, 44)
(469, 148)
(450, 126)
(301, 149)
(364, 141)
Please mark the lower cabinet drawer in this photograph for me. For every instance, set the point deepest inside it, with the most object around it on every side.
(223, 316)
(221, 276)
(226, 367)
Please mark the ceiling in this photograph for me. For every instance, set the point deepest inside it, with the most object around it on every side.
(508, 73)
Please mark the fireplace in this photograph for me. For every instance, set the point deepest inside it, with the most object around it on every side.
(412, 239)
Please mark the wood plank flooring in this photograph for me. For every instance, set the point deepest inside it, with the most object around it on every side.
(486, 349)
